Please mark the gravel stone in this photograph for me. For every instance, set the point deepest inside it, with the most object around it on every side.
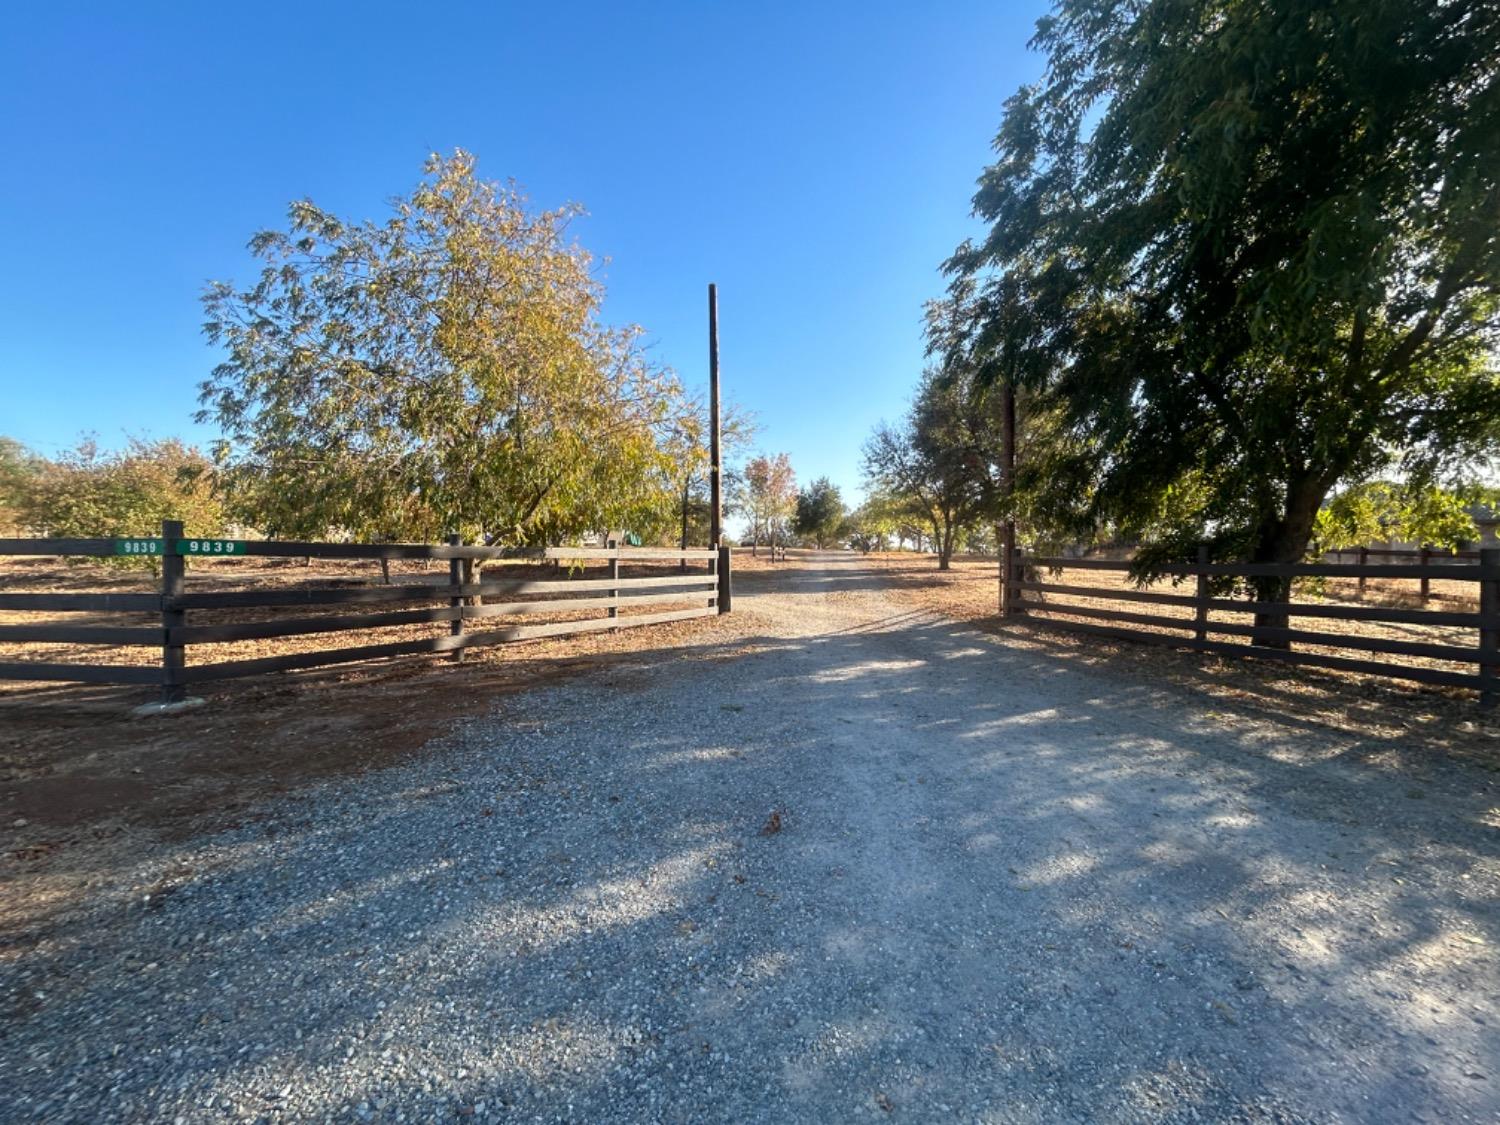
(1002, 888)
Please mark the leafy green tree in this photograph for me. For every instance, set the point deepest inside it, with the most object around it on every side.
(1255, 249)
(442, 370)
(941, 463)
(872, 525)
(89, 492)
(19, 470)
(1404, 512)
(770, 498)
(820, 512)
(687, 447)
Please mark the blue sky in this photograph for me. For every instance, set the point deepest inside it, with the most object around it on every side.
(816, 161)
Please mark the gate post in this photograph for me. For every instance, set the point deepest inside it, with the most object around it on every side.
(456, 578)
(1489, 634)
(614, 574)
(1015, 575)
(173, 656)
(724, 588)
(1200, 611)
(1007, 569)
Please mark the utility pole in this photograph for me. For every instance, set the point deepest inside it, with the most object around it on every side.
(715, 481)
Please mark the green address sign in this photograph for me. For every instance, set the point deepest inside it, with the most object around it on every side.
(210, 546)
(138, 546)
(197, 548)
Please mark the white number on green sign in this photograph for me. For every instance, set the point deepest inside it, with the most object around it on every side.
(210, 547)
(138, 546)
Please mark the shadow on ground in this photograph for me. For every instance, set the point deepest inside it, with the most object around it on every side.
(1007, 887)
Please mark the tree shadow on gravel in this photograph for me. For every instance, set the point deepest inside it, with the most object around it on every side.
(1006, 887)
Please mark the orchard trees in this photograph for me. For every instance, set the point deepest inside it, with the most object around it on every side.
(444, 369)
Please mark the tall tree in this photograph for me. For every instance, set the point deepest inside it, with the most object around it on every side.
(687, 446)
(937, 463)
(1256, 250)
(770, 491)
(442, 370)
(820, 511)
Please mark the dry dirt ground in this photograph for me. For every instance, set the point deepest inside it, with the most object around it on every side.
(856, 850)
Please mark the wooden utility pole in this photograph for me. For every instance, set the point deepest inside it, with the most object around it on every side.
(715, 481)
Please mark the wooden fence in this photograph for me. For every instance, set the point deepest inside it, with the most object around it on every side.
(1423, 555)
(1028, 575)
(462, 603)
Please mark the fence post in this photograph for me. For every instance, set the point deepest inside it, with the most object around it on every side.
(1200, 611)
(1016, 604)
(1426, 554)
(724, 587)
(614, 574)
(1007, 564)
(456, 578)
(1489, 634)
(1364, 560)
(173, 656)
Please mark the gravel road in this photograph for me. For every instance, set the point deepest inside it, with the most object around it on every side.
(1003, 888)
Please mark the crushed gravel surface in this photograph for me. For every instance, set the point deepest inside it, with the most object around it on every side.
(859, 863)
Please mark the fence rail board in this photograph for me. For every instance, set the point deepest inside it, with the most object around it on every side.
(57, 547)
(81, 673)
(457, 603)
(80, 634)
(1389, 614)
(83, 603)
(1273, 642)
(1446, 572)
(429, 592)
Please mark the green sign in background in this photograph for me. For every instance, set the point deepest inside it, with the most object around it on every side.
(197, 548)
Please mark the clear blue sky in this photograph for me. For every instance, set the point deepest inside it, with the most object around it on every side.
(815, 160)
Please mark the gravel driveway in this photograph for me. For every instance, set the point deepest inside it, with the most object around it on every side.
(1003, 888)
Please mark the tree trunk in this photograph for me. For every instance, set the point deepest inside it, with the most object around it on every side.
(385, 572)
(1284, 539)
(682, 566)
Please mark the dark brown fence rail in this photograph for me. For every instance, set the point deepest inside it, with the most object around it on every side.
(473, 613)
(1060, 605)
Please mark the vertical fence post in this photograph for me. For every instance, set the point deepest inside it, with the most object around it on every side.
(614, 573)
(456, 578)
(1200, 611)
(1364, 560)
(1489, 634)
(173, 569)
(1007, 572)
(1426, 555)
(724, 588)
(1017, 574)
